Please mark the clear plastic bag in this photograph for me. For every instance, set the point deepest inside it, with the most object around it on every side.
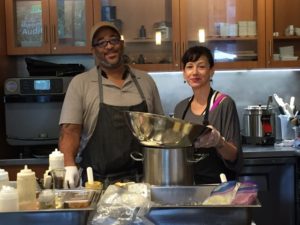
(233, 193)
(118, 206)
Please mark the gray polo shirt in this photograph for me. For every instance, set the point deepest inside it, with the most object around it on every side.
(81, 104)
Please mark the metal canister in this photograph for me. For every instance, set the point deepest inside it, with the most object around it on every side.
(259, 125)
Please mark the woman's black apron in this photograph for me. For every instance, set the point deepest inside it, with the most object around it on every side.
(208, 170)
(108, 150)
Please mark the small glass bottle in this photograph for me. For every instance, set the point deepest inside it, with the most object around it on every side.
(142, 32)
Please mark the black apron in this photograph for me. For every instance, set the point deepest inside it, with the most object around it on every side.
(108, 150)
(208, 170)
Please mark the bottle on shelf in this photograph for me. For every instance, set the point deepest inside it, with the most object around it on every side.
(143, 32)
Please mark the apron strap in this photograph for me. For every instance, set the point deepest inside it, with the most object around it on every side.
(205, 120)
(133, 77)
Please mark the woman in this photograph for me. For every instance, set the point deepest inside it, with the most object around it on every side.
(222, 146)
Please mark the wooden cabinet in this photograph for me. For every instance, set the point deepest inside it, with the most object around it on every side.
(138, 21)
(234, 30)
(48, 26)
(282, 33)
(180, 21)
(242, 34)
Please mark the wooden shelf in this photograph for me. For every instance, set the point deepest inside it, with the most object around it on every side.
(143, 40)
(219, 38)
(287, 38)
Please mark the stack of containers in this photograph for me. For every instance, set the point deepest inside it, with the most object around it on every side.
(243, 28)
(251, 28)
(247, 28)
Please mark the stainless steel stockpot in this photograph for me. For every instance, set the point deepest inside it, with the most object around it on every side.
(168, 166)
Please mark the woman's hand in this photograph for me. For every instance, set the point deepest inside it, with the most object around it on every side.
(210, 139)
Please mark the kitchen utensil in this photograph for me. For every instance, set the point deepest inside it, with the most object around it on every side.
(163, 131)
(292, 103)
(281, 105)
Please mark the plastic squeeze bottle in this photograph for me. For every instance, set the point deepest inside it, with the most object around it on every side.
(4, 180)
(26, 186)
(56, 160)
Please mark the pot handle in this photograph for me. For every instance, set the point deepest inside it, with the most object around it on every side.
(137, 156)
(198, 157)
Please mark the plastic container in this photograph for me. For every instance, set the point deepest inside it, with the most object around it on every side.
(58, 177)
(287, 132)
(47, 199)
(96, 185)
(3, 178)
(9, 200)
(56, 160)
(26, 186)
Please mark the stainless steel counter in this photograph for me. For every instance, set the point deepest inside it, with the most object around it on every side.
(261, 151)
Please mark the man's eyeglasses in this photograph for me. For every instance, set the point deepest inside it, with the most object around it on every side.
(104, 43)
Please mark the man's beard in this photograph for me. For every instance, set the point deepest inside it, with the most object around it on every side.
(105, 64)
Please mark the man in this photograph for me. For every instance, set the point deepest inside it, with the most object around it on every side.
(92, 121)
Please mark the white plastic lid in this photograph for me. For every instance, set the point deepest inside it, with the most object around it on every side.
(56, 154)
(8, 192)
(3, 175)
(46, 194)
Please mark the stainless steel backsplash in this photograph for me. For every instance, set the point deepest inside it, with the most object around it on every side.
(245, 87)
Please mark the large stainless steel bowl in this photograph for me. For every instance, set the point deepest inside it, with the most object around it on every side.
(162, 131)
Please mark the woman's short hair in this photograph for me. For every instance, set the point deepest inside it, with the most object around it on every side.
(195, 52)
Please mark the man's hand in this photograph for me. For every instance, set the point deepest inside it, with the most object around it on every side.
(71, 177)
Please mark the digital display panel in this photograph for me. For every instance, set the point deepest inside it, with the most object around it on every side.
(42, 85)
